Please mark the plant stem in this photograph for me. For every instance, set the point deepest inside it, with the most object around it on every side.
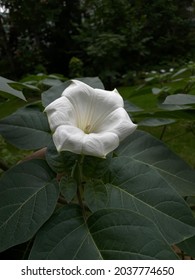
(163, 132)
(62, 200)
(79, 179)
(79, 196)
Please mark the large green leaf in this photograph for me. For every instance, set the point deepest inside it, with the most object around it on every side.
(144, 148)
(107, 234)
(122, 234)
(26, 129)
(28, 196)
(137, 187)
(7, 91)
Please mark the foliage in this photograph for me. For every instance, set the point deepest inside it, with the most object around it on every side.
(43, 40)
(135, 204)
(165, 106)
(169, 96)
(75, 67)
(109, 37)
(111, 52)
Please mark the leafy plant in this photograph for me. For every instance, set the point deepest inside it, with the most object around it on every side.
(163, 97)
(134, 204)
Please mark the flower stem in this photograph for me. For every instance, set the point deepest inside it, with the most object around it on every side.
(79, 196)
(163, 132)
(79, 179)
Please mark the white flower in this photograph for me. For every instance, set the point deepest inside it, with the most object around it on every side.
(88, 121)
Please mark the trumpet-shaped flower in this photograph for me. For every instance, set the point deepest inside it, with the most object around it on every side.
(88, 121)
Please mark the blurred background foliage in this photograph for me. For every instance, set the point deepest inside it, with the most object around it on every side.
(109, 38)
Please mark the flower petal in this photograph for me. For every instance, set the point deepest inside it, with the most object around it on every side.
(92, 105)
(73, 139)
(80, 96)
(117, 122)
(60, 112)
(69, 138)
(100, 145)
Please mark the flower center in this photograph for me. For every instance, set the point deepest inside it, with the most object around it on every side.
(87, 129)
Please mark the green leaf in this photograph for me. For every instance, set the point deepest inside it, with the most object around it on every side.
(53, 93)
(95, 195)
(68, 187)
(22, 86)
(108, 234)
(144, 148)
(26, 129)
(51, 82)
(188, 246)
(138, 187)
(130, 107)
(96, 167)
(169, 111)
(181, 71)
(28, 196)
(10, 106)
(93, 82)
(149, 79)
(157, 90)
(180, 99)
(186, 115)
(121, 234)
(65, 236)
(60, 162)
(173, 107)
(64, 162)
(152, 122)
(7, 91)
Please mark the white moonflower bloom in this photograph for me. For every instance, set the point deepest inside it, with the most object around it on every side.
(88, 121)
